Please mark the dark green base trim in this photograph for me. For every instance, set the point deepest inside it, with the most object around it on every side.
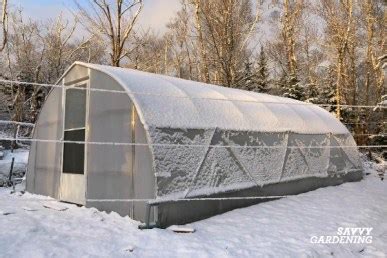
(182, 212)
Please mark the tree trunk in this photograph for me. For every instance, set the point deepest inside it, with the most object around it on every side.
(204, 70)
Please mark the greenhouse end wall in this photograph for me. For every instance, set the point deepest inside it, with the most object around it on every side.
(117, 172)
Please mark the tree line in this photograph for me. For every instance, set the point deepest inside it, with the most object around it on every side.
(324, 51)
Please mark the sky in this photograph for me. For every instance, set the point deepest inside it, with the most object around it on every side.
(155, 15)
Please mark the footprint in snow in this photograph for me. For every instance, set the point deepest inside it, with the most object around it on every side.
(129, 249)
(5, 213)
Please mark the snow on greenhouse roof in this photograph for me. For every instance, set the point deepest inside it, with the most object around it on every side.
(164, 101)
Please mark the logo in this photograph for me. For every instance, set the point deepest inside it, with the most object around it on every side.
(348, 235)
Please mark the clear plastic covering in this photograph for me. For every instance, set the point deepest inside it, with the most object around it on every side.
(164, 101)
(210, 131)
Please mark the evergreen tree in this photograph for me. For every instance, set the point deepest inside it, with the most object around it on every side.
(328, 96)
(262, 73)
(328, 92)
(248, 81)
(312, 93)
(293, 89)
(279, 86)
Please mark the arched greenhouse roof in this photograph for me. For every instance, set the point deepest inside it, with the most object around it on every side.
(164, 101)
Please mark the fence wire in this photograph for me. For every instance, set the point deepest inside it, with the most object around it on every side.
(190, 145)
(17, 138)
(33, 125)
(188, 97)
(160, 200)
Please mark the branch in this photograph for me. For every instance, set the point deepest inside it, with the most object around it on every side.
(131, 24)
(251, 30)
(80, 46)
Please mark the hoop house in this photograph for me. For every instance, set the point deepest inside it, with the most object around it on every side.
(114, 135)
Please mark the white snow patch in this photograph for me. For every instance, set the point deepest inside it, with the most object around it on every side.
(280, 228)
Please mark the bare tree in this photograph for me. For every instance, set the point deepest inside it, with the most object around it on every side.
(173, 53)
(112, 20)
(372, 77)
(223, 30)
(373, 22)
(292, 11)
(181, 51)
(310, 52)
(147, 53)
(4, 24)
(40, 52)
(24, 54)
(205, 74)
(286, 49)
(61, 47)
(339, 18)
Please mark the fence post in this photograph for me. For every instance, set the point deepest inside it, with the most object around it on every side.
(10, 172)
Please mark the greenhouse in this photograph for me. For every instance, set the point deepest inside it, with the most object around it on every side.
(168, 151)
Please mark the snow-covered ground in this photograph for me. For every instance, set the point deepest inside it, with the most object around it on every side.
(281, 228)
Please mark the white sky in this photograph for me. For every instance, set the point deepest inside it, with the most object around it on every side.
(155, 15)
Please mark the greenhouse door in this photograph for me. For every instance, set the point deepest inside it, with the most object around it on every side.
(73, 182)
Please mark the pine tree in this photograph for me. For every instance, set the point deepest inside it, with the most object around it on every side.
(293, 88)
(312, 93)
(328, 92)
(262, 74)
(248, 81)
(279, 85)
(328, 96)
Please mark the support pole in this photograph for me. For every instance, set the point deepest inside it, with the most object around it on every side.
(10, 183)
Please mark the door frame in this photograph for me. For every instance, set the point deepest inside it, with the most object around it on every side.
(81, 179)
